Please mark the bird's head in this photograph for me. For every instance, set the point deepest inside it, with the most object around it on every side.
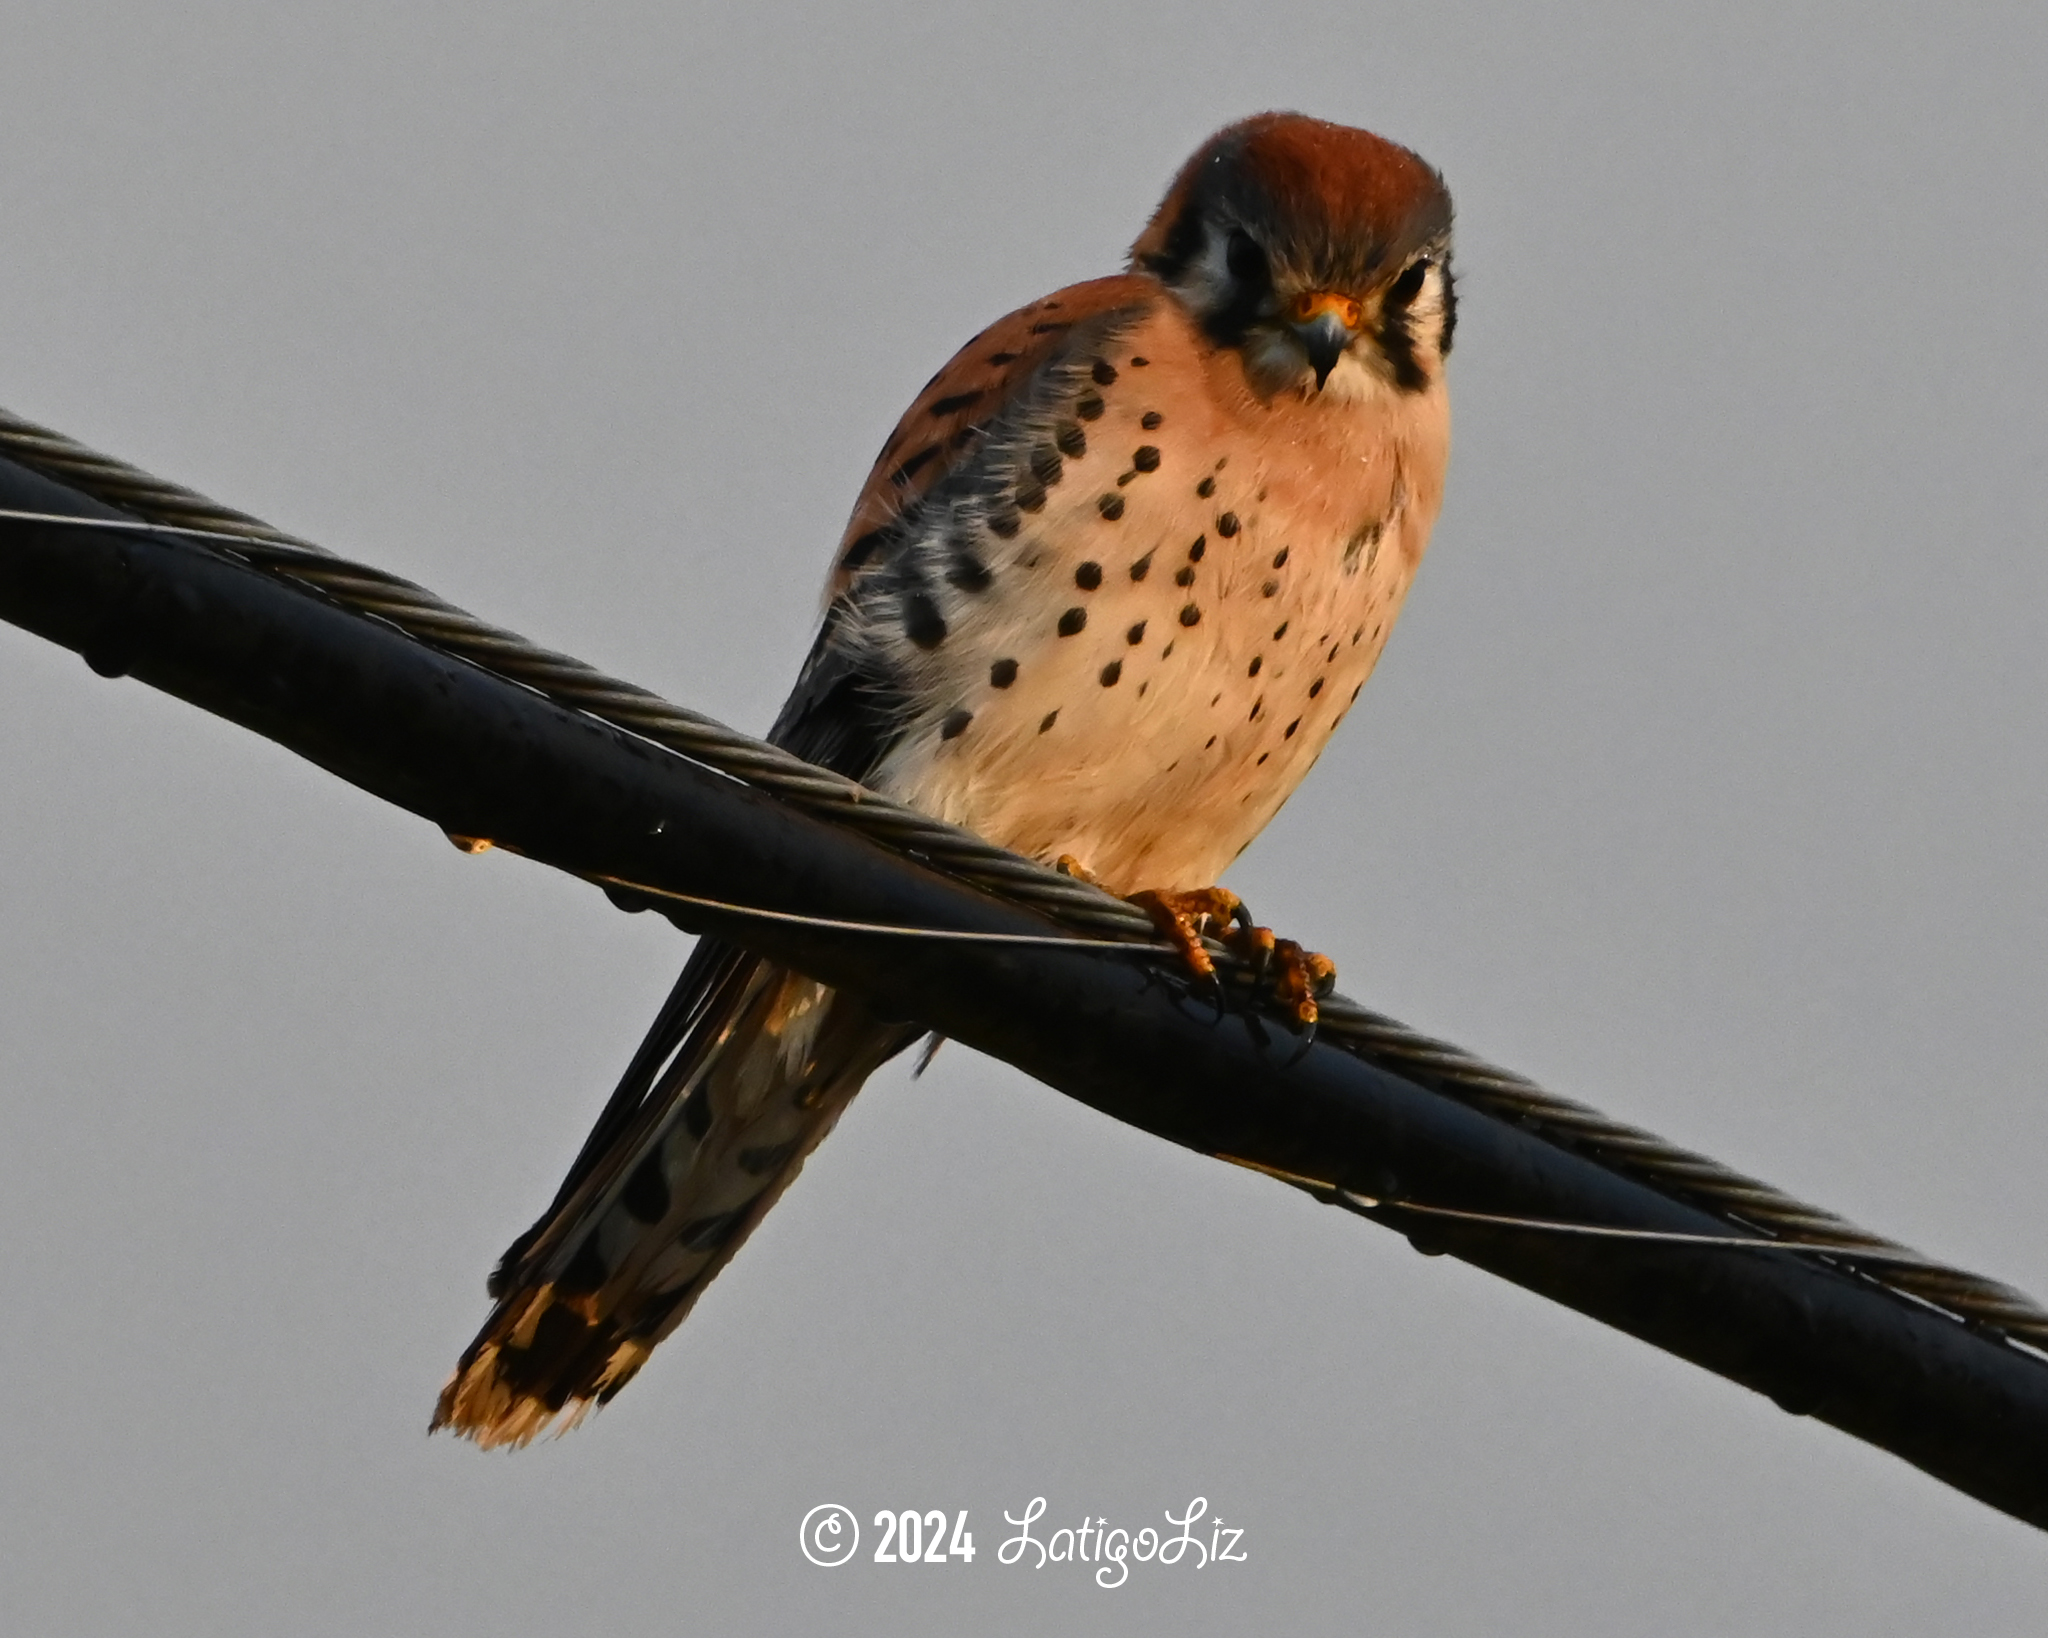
(1321, 252)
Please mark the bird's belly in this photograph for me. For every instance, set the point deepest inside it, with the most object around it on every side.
(1145, 700)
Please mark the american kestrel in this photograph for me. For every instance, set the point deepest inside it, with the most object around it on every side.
(1115, 578)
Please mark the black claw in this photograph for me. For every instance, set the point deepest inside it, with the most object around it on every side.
(1209, 989)
(1308, 1039)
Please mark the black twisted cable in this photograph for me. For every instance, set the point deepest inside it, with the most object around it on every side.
(1729, 1195)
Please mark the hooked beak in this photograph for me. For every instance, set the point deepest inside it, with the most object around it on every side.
(1325, 323)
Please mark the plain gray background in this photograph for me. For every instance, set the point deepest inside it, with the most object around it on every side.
(1703, 780)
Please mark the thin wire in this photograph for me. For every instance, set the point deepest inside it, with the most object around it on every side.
(143, 527)
(1037, 941)
(1602, 1231)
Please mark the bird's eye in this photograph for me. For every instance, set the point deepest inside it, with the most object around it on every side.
(1409, 285)
(1244, 258)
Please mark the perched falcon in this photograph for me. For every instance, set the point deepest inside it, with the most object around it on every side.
(1114, 580)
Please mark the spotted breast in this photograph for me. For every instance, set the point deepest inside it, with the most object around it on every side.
(1125, 629)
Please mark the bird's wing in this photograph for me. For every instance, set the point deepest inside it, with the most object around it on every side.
(846, 708)
(841, 713)
(948, 423)
(682, 1161)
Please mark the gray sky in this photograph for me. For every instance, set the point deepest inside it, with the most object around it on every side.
(1703, 780)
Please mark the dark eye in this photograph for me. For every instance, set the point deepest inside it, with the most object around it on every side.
(1409, 285)
(1244, 258)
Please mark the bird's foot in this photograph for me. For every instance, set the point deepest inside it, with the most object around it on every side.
(1304, 978)
(1299, 977)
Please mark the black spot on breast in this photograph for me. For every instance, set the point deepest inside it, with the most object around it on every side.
(1110, 506)
(1072, 441)
(1365, 538)
(697, 1111)
(1103, 371)
(1257, 661)
(1048, 720)
(1151, 420)
(1190, 615)
(1002, 358)
(1257, 706)
(1184, 577)
(1088, 576)
(1136, 634)
(1111, 672)
(1046, 465)
(955, 724)
(956, 403)
(862, 549)
(645, 1195)
(1004, 523)
(1142, 567)
(1263, 755)
(1200, 546)
(1146, 457)
(916, 464)
(1296, 723)
(1270, 588)
(1002, 673)
(1140, 363)
(1226, 525)
(923, 624)
(1280, 631)
(1050, 327)
(1031, 495)
(1166, 653)
(1088, 406)
(1206, 488)
(1072, 621)
(1280, 557)
(1212, 743)
(1315, 688)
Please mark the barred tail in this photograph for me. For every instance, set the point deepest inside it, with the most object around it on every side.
(680, 1169)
